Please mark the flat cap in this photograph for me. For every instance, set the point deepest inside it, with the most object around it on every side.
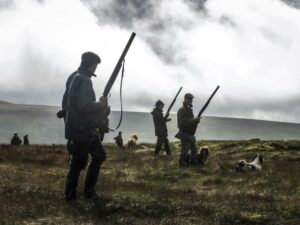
(159, 102)
(188, 95)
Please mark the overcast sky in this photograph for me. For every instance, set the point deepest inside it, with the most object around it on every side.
(251, 48)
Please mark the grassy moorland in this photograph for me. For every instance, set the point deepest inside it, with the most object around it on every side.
(135, 188)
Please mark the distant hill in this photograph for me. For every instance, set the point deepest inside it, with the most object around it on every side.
(43, 127)
(3, 102)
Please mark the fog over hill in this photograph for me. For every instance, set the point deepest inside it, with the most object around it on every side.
(43, 127)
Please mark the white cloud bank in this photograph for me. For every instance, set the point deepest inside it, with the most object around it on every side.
(250, 48)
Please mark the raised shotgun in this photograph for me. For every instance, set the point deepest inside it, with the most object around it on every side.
(173, 102)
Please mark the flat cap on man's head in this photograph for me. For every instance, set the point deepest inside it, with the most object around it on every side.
(188, 95)
(159, 102)
(88, 59)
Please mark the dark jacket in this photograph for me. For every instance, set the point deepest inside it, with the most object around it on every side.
(119, 140)
(25, 140)
(160, 122)
(81, 107)
(186, 121)
(15, 140)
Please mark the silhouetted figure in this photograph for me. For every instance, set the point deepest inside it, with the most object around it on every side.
(26, 140)
(82, 111)
(202, 156)
(119, 140)
(161, 131)
(187, 125)
(15, 140)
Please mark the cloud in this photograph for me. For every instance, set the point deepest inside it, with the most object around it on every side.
(293, 3)
(250, 48)
(122, 13)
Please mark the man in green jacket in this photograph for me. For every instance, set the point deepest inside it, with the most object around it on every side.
(187, 125)
(82, 110)
(161, 130)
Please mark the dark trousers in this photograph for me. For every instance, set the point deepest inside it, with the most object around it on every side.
(185, 157)
(120, 144)
(80, 152)
(160, 141)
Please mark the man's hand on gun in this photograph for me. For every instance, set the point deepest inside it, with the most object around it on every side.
(198, 119)
(103, 101)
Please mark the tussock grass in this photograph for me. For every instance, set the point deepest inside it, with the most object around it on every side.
(136, 188)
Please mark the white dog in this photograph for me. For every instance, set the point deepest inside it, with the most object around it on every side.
(243, 166)
(131, 144)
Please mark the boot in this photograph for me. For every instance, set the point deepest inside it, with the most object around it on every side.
(91, 178)
(156, 152)
(183, 160)
(70, 190)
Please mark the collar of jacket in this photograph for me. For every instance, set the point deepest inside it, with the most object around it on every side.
(157, 109)
(86, 72)
(187, 106)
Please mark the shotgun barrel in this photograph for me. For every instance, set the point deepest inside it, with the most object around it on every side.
(173, 102)
(208, 101)
(118, 66)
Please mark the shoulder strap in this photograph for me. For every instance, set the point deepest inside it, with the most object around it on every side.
(70, 86)
(121, 100)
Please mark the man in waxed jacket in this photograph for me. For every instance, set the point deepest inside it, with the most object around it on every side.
(187, 125)
(82, 111)
(161, 130)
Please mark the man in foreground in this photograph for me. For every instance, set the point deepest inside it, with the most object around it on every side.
(82, 114)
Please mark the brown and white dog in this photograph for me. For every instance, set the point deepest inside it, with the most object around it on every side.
(131, 144)
(244, 166)
(201, 158)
